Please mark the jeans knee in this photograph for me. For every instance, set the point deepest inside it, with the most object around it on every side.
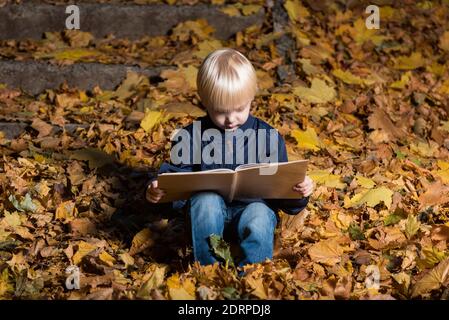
(262, 214)
(258, 219)
(208, 199)
(206, 205)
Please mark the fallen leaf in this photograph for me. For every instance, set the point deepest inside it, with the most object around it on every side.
(432, 280)
(307, 139)
(84, 249)
(414, 61)
(180, 291)
(411, 226)
(141, 241)
(151, 119)
(326, 251)
(66, 211)
(319, 92)
(371, 197)
(107, 258)
(43, 127)
(326, 178)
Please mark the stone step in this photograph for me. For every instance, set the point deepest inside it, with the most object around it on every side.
(12, 130)
(32, 18)
(33, 77)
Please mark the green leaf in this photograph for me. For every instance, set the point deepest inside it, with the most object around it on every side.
(400, 155)
(392, 219)
(6, 285)
(26, 204)
(355, 232)
(221, 249)
(230, 293)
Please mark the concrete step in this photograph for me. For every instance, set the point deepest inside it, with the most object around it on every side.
(34, 77)
(32, 19)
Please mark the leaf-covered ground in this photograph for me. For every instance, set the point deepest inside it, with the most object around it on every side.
(368, 108)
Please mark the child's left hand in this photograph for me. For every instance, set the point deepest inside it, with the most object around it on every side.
(304, 188)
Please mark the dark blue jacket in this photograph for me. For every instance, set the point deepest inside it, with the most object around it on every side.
(289, 206)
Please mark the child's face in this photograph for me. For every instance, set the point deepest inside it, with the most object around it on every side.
(233, 119)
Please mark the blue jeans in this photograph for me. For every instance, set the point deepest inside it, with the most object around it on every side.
(254, 224)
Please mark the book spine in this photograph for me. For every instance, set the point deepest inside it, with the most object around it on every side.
(233, 186)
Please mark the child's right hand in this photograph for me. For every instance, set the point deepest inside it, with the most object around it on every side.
(154, 194)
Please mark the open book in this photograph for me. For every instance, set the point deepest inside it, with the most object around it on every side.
(256, 180)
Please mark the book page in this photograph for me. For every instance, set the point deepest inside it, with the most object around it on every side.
(181, 185)
(252, 184)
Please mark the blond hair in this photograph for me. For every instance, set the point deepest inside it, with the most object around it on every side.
(226, 80)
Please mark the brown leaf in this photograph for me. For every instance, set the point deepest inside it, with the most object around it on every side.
(440, 233)
(82, 226)
(380, 120)
(326, 251)
(436, 194)
(43, 127)
(141, 241)
(432, 280)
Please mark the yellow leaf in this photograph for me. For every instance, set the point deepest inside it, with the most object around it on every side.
(415, 60)
(73, 54)
(199, 27)
(371, 197)
(436, 68)
(319, 92)
(431, 256)
(326, 251)
(443, 173)
(66, 211)
(141, 241)
(349, 78)
(327, 179)
(83, 97)
(107, 258)
(231, 11)
(130, 85)
(151, 119)
(306, 139)
(250, 9)
(296, 11)
(155, 280)
(204, 48)
(190, 74)
(444, 88)
(341, 220)
(405, 79)
(365, 182)
(308, 67)
(444, 41)
(432, 280)
(180, 291)
(257, 286)
(387, 12)
(360, 33)
(411, 226)
(84, 249)
(127, 259)
(6, 285)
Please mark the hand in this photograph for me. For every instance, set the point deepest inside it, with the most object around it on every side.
(154, 194)
(304, 188)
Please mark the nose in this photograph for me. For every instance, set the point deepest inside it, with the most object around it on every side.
(230, 118)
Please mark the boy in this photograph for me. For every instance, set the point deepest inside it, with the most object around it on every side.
(227, 85)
